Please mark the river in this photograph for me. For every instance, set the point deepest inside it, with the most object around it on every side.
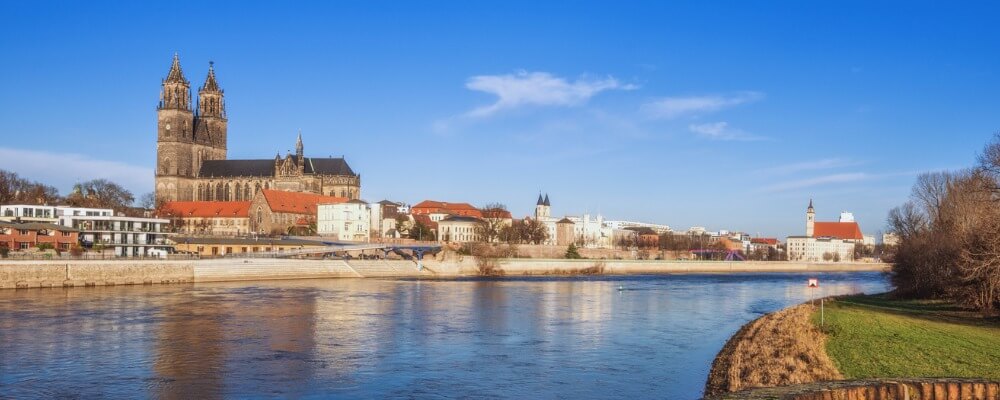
(573, 338)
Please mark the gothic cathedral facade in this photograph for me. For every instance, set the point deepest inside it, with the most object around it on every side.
(191, 159)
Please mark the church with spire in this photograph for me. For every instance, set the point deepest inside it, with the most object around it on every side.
(191, 159)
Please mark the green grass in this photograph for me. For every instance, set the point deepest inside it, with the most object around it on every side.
(873, 336)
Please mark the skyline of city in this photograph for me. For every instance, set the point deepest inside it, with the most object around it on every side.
(654, 129)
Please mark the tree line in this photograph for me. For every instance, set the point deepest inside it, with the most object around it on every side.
(949, 234)
(96, 193)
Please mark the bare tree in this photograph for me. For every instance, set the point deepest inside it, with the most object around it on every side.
(495, 219)
(100, 193)
(15, 189)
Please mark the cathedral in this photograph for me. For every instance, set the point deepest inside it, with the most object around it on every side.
(191, 162)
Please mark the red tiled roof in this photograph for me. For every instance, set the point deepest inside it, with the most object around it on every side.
(207, 209)
(839, 230)
(767, 241)
(443, 207)
(426, 220)
(297, 202)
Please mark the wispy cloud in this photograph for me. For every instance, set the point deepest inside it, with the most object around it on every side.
(722, 131)
(676, 107)
(62, 170)
(537, 89)
(826, 163)
(816, 181)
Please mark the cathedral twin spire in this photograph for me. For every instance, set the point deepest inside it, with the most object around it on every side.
(176, 93)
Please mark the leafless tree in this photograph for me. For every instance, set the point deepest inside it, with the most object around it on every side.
(100, 193)
(495, 219)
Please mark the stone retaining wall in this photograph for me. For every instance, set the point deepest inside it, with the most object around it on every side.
(33, 274)
(878, 389)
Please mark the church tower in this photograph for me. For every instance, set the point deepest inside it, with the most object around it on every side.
(810, 219)
(210, 120)
(175, 127)
(543, 208)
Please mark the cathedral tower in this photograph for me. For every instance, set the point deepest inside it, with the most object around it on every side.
(187, 134)
(175, 127)
(210, 120)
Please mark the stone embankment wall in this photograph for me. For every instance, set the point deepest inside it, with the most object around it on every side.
(879, 389)
(467, 266)
(33, 274)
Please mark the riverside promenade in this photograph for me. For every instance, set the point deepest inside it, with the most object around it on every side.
(76, 273)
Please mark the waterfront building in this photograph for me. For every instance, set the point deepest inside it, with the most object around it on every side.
(123, 236)
(191, 152)
(28, 212)
(825, 241)
(26, 235)
(588, 231)
(228, 218)
(565, 234)
(438, 210)
(764, 243)
(383, 219)
(278, 211)
(659, 228)
(458, 229)
(350, 220)
(221, 246)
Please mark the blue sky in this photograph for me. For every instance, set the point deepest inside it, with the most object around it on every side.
(729, 115)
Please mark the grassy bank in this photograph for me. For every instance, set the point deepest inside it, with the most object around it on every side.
(781, 348)
(874, 336)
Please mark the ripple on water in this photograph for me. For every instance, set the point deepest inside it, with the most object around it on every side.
(531, 337)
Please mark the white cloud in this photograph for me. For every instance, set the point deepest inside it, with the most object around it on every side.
(537, 89)
(826, 163)
(675, 107)
(722, 131)
(62, 170)
(819, 180)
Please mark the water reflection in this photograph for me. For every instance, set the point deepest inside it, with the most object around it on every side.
(514, 338)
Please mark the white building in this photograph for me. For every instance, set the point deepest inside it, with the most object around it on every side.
(588, 231)
(890, 239)
(830, 241)
(350, 220)
(124, 236)
(458, 229)
(659, 228)
(804, 248)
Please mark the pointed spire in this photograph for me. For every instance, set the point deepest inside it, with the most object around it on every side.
(211, 85)
(810, 208)
(176, 74)
(547, 200)
(540, 201)
(299, 149)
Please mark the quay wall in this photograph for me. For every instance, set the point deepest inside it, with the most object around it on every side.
(466, 266)
(34, 274)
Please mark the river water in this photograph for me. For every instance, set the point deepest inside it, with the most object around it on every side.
(573, 338)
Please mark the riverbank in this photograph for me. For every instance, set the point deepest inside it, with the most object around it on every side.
(860, 337)
(68, 273)
(878, 337)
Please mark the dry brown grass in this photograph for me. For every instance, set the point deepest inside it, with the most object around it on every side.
(777, 349)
